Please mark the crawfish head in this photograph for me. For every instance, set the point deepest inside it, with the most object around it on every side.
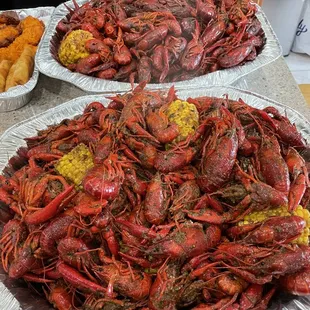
(287, 261)
(166, 288)
(233, 193)
(218, 164)
(191, 292)
(187, 241)
(135, 285)
(104, 181)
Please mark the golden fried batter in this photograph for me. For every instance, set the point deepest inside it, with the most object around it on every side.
(32, 30)
(5, 66)
(22, 70)
(8, 35)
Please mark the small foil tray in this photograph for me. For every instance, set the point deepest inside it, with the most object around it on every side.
(18, 96)
(14, 294)
(50, 67)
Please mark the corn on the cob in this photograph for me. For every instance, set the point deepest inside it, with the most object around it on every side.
(185, 115)
(260, 216)
(74, 165)
(72, 48)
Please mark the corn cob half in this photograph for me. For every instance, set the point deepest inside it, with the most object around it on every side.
(260, 216)
(74, 165)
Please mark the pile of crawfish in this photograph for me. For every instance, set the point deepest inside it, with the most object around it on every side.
(154, 223)
(163, 41)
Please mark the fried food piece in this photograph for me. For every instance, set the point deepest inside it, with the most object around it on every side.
(5, 66)
(22, 70)
(32, 30)
(8, 35)
(9, 18)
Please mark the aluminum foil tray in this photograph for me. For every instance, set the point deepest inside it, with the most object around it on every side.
(20, 95)
(14, 295)
(50, 67)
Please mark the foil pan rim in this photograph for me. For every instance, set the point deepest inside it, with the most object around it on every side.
(50, 67)
(12, 138)
(18, 96)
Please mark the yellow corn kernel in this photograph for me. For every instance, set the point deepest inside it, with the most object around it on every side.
(74, 165)
(72, 48)
(185, 115)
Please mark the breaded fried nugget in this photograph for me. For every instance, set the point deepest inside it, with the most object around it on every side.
(8, 35)
(32, 30)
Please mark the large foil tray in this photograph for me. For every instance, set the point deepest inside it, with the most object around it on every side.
(50, 67)
(15, 295)
(20, 95)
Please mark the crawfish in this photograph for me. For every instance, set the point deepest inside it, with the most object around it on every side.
(221, 155)
(184, 198)
(153, 37)
(95, 17)
(238, 54)
(160, 59)
(25, 260)
(189, 240)
(132, 283)
(146, 151)
(54, 232)
(60, 297)
(175, 46)
(285, 129)
(192, 55)
(213, 33)
(297, 283)
(51, 209)
(97, 46)
(271, 164)
(166, 288)
(206, 10)
(257, 195)
(300, 180)
(174, 159)
(85, 65)
(179, 8)
(118, 10)
(232, 253)
(276, 229)
(156, 201)
(251, 296)
(104, 181)
(122, 54)
(14, 234)
(133, 114)
(77, 280)
(144, 69)
(279, 263)
(160, 127)
(223, 283)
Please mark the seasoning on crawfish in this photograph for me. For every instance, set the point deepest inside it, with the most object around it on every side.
(159, 41)
(160, 203)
